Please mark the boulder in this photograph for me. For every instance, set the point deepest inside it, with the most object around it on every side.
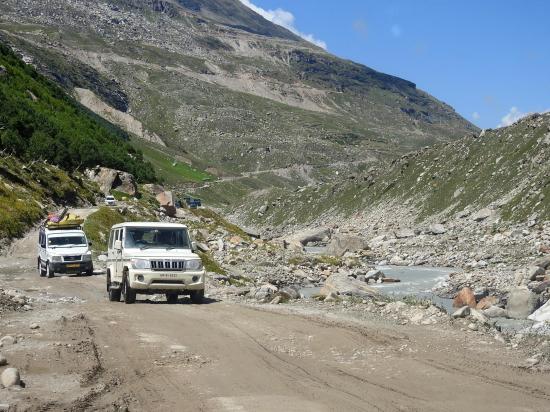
(342, 243)
(543, 262)
(465, 298)
(462, 312)
(308, 236)
(166, 201)
(265, 292)
(541, 287)
(478, 316)
(8, 340)
(374, 275)
(342, 284)
(482, 215)
(521, 303)
(494, 312)
(10, 377)
(290, 292)
(331, 297)
(542, 314)
(534, 272)
(487, 302)
(437, 229)
(111, 179)
(404, 234)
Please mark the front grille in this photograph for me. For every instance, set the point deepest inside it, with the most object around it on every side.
(168, 282)
(176, 265)
(71, 258)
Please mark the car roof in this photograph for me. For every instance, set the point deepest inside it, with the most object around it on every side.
(150, 224)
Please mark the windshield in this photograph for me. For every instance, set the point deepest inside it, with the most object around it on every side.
(65, 241)
(153, 238)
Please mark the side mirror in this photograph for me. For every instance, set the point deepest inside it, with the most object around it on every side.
(194, 246)
(118, 245)
(89, 243)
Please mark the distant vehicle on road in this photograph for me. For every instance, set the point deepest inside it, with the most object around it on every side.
(193, 203)
(110, 200)
(153, 258)
(64, 248)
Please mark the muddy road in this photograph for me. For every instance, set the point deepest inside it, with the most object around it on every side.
(91, 354)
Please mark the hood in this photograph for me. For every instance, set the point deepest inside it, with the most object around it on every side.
(160, 253)
(69, 251)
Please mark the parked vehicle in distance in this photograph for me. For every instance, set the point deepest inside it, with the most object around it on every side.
(63, 249)
(153, 258)
(192, 203)
(110, 200)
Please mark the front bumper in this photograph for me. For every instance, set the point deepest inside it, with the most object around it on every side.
(72, 267)
(149, 281)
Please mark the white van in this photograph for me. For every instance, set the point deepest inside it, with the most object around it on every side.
(153, 258)
(63, 251)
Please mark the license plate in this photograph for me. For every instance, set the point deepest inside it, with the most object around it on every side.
(168, 276)
(74, 265)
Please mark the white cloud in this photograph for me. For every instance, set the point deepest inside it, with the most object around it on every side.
(475, 116)
(396, 30)
(285, 19)
(511, 117)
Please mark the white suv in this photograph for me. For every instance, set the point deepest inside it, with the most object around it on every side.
(110, 200)
(153, 258)
(63, 251)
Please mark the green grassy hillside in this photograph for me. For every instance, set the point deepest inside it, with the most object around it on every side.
(39, 121)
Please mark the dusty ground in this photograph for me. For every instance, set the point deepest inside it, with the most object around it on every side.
(90, 354)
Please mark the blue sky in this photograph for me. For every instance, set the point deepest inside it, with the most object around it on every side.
(488, 59)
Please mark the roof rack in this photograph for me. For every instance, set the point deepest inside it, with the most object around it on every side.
(64, 221)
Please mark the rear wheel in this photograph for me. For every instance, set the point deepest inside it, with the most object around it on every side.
(172, 298)
(114, 294)
(197, 296)
(49, 270)
(128, 294)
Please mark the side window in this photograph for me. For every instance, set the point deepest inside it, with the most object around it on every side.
(111, 239)
(119, 237)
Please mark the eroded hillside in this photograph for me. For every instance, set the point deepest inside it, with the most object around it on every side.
(222, 86)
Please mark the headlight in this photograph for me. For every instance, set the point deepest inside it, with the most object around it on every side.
(141, 264)
(195, 264)
(87, 258)
(57, 259)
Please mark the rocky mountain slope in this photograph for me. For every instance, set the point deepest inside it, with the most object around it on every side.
(223, 88)
(501, 174)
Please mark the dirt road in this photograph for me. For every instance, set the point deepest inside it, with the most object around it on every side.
(90, 354)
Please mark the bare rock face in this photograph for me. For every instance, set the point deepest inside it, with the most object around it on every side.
(465, 297)
(111, 179)
(487, 302)
(166, 201)
(342, 243)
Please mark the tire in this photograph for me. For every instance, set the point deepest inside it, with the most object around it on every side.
(49, 271)
(128, 294)
(41, 271)
(90, 272)
(114, 294)
(172, 298)
(197, 296)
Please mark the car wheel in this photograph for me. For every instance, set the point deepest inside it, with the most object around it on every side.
(197, 296)
(128, 294)
(90, 272)
(49, 271)
(114, 294)
(41, 270)
(172, 298)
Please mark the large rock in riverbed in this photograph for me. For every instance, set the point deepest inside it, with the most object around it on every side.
(465, 297)
(521, 303)
(342, 243)
(541, 314)
(342, 284)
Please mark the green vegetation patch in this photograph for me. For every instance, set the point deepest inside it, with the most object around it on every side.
(39, 121)
(210, 264)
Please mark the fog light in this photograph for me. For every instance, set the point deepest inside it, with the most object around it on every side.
(195, 278)
(140, 278)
